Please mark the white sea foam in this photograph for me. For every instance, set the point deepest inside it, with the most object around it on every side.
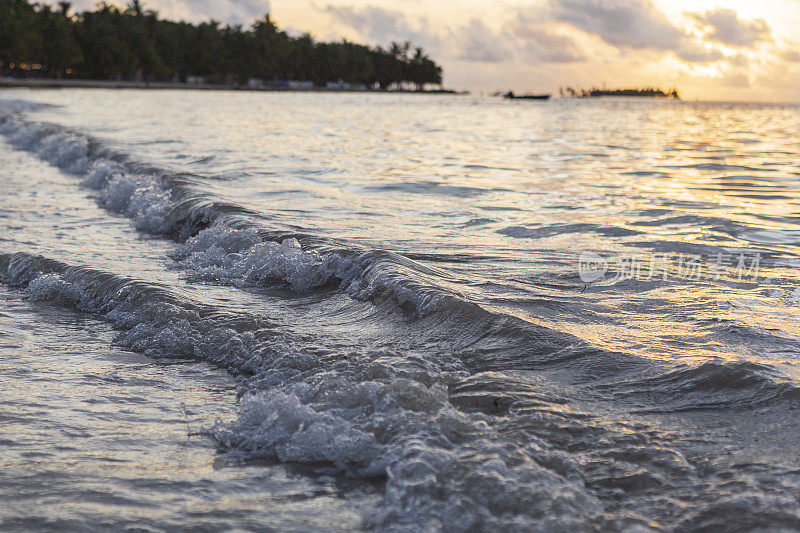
(53, 288)
(238, 257)
(278, 425)
(140, 198)
(366, 416)
(241, 258)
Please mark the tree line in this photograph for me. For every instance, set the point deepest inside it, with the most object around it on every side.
(109, 43)
(649, 92)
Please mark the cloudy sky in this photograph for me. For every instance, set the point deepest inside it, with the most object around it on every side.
(709, 49)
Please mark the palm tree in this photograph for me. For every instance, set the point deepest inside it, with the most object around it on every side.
(110, 43)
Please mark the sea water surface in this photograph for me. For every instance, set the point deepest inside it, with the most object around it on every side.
(314, 311)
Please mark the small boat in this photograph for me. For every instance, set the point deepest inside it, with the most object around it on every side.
(511, 96)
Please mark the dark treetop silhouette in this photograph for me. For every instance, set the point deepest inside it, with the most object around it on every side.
(39, 41)
(648, 92)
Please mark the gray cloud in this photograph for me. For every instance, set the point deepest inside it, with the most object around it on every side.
(477, 42)
(726, 27)
(382, 26)
(735, 80)
(632, 24)
(793, 56)
(523, 36)
(540, 44)
(623, 23)
(474, 42)
(737, 60)
(530, 35)
(693, 52)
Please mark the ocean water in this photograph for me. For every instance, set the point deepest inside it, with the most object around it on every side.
(290, 311)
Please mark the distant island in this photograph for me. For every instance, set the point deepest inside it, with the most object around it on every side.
(648, 92)
(45, 46)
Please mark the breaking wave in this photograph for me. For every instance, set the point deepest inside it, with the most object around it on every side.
(456, 449)
(224, 242)
(363, 416)
(482, 433)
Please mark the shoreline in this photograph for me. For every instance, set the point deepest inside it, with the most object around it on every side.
(49, 83)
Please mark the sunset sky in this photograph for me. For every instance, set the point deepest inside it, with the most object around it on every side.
(709, 49)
